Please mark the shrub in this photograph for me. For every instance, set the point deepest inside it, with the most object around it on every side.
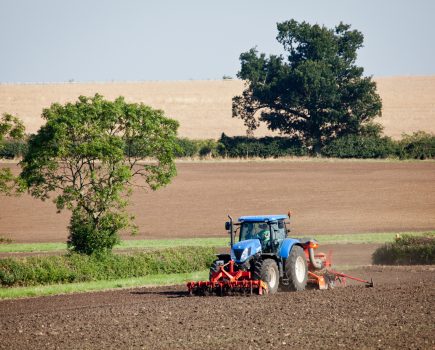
(407, 250)
(11, 149)
(208, 148)
(87, 236)
(360, 146)
(78, 267)
(186, 148)
(419, 145)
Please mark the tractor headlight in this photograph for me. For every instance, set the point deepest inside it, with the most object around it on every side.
(245, 254)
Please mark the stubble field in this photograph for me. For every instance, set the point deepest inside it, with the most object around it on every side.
(203, 108)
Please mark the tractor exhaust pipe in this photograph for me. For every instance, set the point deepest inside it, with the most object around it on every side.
(230, 229)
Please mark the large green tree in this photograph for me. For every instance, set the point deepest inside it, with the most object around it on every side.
(315, 91)
(87, 155)
(11, 128)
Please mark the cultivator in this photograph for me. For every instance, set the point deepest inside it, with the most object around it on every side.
(227, 281)
(265, 258)
(321, 276)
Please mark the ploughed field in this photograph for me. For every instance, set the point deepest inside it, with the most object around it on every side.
(324, 196)
(398, 313)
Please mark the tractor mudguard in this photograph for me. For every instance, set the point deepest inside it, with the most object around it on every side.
(286, 246)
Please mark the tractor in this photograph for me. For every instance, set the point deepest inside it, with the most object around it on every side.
(265, 258)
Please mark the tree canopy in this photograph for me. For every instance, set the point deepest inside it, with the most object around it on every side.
(87, 155)
(315, 92)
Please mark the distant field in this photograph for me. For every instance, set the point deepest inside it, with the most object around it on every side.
(204, 107)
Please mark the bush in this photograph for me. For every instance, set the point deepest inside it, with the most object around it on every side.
(87, 237)
(186, 148)
(209, 148)
(360, 146)
(407, 250)
(11, 149)
(78, 268)
(420, 145)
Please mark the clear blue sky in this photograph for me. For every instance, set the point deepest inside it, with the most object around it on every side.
(90, 40)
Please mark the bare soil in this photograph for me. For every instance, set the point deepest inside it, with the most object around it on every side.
(325, 197)
(398, 313)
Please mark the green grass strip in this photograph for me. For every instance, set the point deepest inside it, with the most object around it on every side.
(382, 237)
(148, 281)
(126, 244)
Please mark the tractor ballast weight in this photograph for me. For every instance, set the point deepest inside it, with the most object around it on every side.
(265, 258)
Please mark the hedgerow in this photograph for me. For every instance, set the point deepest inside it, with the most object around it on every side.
(10, 149)
(407, 250)
(75, 267)
(419, 145)
(358, 146)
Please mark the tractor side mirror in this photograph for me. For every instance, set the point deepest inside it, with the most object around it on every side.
(227, 225)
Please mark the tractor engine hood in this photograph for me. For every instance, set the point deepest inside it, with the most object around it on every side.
(243, 250)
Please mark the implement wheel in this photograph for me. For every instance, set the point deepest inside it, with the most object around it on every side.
(268, 272)
(296, 269)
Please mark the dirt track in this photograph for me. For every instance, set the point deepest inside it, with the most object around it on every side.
(325, 197)
(397, 314)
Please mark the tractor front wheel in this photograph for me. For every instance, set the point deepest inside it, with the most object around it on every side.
(268, 272)
(296, 269)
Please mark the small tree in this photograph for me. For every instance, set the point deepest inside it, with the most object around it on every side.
(316, 92)
(88, 154)
(11, 128)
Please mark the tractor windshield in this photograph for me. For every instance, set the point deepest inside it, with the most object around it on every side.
(261, 231)
(255, 230)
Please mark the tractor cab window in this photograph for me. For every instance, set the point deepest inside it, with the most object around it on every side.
(279, 230)
(255, 230)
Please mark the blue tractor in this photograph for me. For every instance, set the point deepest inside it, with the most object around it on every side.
(263, 259)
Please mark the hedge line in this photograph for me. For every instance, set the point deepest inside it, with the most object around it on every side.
(79, 268)
(10, 149)
(420, 145)
(407, 250)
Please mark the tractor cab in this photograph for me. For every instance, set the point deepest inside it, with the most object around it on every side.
(270, 230)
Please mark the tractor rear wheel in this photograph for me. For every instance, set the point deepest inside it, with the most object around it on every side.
(268, 272)
(296, 269)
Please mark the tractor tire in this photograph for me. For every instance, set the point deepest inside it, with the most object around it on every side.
(296, 269)
(267, 271)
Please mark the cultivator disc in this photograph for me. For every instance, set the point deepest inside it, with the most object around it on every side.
(227, 281)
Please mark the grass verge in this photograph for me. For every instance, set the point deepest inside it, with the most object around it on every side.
(148, 281)
(381, 237)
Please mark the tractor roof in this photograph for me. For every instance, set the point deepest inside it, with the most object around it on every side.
(262, 218)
